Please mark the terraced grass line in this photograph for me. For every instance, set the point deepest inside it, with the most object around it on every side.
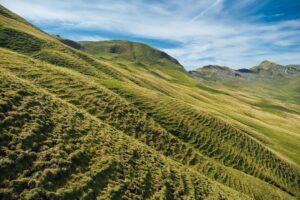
(248, 161)
(87, 137)
(120, 120)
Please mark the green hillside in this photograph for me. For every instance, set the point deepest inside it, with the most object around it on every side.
(121, 120)
(139, 53)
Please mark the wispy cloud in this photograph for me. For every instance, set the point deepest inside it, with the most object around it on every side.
(216, 3)
(232, 33)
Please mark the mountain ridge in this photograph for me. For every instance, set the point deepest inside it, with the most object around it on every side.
(264, 65)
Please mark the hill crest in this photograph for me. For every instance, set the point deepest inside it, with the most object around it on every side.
(132, 51)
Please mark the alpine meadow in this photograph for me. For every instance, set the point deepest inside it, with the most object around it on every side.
(117, 119)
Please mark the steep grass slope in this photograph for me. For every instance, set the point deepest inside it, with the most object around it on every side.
(52, 150)
(105, 105)
(135, 132)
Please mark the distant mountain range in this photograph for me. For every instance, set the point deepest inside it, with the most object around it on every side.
(264, 69)
(267, 79)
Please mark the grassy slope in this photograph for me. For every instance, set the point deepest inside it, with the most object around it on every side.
(272, 109)
(262, 114)
(53, 150)
(274, 122)
(96, 85)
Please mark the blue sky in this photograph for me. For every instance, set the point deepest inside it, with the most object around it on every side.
(234, 33)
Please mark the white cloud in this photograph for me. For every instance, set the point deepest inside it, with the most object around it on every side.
(206, 34)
